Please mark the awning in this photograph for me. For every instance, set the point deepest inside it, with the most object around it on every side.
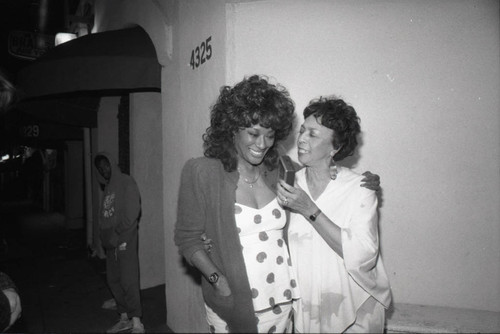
(84, 69)
(78, 110)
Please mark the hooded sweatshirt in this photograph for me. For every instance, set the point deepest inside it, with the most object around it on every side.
(120, 206)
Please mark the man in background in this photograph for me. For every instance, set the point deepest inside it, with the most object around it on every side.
(118, 226)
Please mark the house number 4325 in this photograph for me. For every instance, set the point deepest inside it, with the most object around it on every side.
(201, 54)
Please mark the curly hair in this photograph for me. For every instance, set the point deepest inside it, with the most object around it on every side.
(253, 101)
(337, 115)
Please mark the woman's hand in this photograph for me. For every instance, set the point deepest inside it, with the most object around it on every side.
(207, 242)
(371, 181)
(295, 199)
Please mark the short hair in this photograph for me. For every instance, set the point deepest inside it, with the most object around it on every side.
(253, 101)
(337, 115)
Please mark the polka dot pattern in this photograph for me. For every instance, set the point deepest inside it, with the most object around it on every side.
(265, 253)
(261, 257)
(270, 278)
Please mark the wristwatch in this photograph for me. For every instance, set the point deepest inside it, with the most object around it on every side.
(213, 278)
(315, 215)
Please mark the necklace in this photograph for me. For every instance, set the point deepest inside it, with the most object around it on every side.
(248, 181)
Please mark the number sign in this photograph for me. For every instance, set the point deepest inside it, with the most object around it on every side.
(201, 54)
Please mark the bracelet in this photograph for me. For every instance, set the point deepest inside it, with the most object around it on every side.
(315, 215)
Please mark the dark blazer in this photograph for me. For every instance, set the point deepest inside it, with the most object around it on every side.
(206, 205)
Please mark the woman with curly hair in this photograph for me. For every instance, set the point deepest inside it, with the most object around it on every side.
(230, 195)
(333, 232)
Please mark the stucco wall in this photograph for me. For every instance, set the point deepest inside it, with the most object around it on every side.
(424, 78)
(187, 97)
(145, 160)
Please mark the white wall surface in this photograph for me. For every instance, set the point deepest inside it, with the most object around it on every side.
(424, 78)
(188, 94)
(145, 165)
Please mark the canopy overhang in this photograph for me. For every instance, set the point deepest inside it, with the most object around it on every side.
(70, 79)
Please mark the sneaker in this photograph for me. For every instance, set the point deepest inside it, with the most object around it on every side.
(138, 329)
(120, 326)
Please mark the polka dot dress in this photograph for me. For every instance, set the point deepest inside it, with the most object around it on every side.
(266, 257)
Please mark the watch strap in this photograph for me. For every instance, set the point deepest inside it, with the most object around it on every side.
(315, 215)
(213, 278)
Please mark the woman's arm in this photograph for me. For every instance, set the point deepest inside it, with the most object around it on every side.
(206, 266)
(299, 202)
(190, 226)
(191, 213)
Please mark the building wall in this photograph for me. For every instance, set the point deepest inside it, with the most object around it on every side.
(107, 135)
(424, 78)
(145, 164)
(187, 97)
(74, 180)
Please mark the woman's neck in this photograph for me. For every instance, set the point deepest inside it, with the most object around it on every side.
(247, 168)
(317, 175)
(317, 178)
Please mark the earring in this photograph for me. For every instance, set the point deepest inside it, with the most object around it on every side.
(333, 170)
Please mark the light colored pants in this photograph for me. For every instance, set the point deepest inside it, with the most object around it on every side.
(277, 320)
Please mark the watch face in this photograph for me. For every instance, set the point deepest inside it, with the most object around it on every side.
(213, 278)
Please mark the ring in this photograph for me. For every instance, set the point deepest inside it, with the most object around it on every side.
(285, 201)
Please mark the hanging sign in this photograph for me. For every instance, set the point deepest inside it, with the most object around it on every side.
(29, 45)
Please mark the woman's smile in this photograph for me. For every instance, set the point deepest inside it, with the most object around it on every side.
(252, 143)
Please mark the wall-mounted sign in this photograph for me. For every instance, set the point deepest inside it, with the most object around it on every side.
(201, 54)
(29, 45)
(50, 131)
(30, 131)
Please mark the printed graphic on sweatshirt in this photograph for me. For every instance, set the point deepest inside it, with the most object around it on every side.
(108, 210)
